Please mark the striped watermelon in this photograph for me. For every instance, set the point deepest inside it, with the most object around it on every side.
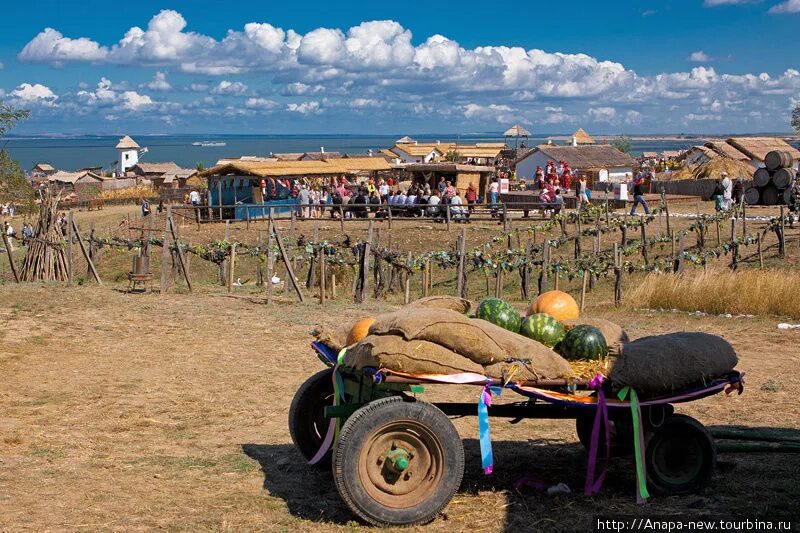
(499, 313)
(543, 328)
(584, 342)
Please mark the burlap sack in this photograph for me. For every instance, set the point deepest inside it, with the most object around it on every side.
(412, 357)
(664, 363)
(443, 302)
(614, 334)
(333, 337)
(511, 372)
(476, 339)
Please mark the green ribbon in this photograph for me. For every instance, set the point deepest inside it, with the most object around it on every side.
(638, 443)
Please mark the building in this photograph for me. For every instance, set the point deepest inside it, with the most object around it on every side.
(727, 150)
(41, 171)
(322, 155)
(163, 175)
(757, 148)
(581, 138)
(77, 182)
(602, 162)
(128, 154)
(699, 155)
(465, 154)
(461, 176)
(417, 153)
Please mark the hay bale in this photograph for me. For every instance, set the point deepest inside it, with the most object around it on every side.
(613, 333)
(443, 302)
(664, 363)
(412, 357)
(478, 340)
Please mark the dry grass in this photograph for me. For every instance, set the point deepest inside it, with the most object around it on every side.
(747, 292)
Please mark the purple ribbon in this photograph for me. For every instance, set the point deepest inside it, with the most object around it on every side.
(593, 484)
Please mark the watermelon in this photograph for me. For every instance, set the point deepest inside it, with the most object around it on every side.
(583, 342)
(499, 313)
(543, 328)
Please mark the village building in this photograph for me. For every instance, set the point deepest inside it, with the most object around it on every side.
(41, 171)
(466, 154)
(461, 176)
(600, 162)
(699, 155)
(727, 150)
(581, 138)
(77, 182)
(167, 175)
(128, 154)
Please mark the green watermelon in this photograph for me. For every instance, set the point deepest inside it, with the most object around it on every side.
(584, 342)
(543, 328)
(499, 313)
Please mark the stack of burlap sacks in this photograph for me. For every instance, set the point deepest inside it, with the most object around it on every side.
(434, 336)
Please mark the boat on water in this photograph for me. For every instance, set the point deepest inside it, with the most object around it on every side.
(208, 143)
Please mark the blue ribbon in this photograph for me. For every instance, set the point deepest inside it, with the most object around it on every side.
(485, 438)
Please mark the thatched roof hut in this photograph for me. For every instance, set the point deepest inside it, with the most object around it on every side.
(581, 137)
(757, 148)
(727, 150)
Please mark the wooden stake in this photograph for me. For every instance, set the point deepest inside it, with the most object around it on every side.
(7, 244)
(644, 241)
(180, 252)
(69, 245)
(407, 295)
(760, 254)
(270, 257)
(333, 286)
(782, 243)
(462, 260)
(86, 254)
(666, 211)
(165, 258)
(583, 290)
(321, 275)
(231, 267)
(288, 263)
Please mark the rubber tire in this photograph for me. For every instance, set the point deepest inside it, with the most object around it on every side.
(685, 436)
(306, 424)
(356, 432)
(621, 435)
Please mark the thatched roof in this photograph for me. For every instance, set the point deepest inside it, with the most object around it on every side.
(299, 168)
(713, 168)
(44, 167)
(156, 168)
(126, 143)
(319, 156)
(71, 177)
(449, 168)
(585, 157)
(758, 147)
(726, 150)
(517, 131)
(418, 150)
(581, 137)
(288, 156)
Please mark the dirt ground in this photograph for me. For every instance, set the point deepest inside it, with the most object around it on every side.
(124, 412)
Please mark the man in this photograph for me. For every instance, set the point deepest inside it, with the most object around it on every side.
(433, 202)
(194, 197)
(738, 191)
(494, 193)
(10, 233)
(472, 196)
(27, 233)
(638, 197)
(383, 191)
(305, 201)
(145, 207)
(442, 185)
(727, 188)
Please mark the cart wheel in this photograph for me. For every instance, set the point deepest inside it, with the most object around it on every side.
(307, 422)
(398, 463)
(679, 456)
(621, 430)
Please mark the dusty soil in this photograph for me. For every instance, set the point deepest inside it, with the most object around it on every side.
(142, 412)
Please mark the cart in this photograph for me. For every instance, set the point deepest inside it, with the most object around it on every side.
(398, 461)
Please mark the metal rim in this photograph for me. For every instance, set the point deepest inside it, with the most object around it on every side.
(414, 484)
(678, 458)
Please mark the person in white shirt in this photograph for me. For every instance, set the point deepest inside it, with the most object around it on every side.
(400, 199)
(433, 203)
(456, 209)
(383, 190)
(727, 191)
(194, 197)
(10, 233)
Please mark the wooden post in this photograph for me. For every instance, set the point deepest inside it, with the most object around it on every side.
(7, 244)
(447, 215)
(341, 217)
(462, 260)
(623, 240)
(644, 241)
(744, 218)
(666, 212)
(425, 279)
(288, 263)
(583, 290)
(270, 257)
(259, 271)
(506, 221)
(219, 197)
(545, 266)
(734, 246)
(525, 272)
(389, 213)
(69, 245)
(672, 244)
(782, 241)
(558, 278)
(407, 294)
(231, 267)
(617, 276)
(86, 254)
(223, 266)
(719, 234)
(247, 214)
(292, 224)
(680, 256)
(333, 286)
(760, 254)
(322, 275)
(498, 286)
(165, 258)
(178, 250)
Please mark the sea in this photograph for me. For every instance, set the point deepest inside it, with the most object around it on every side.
(77, 152)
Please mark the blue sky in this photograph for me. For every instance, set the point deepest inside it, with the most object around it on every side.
(705, 66)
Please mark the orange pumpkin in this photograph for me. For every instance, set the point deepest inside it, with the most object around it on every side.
(557, 304)
(359, 330)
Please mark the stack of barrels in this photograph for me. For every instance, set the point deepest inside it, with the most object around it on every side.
(772, 185)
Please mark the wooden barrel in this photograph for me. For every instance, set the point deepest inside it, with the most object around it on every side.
(771, 195)
(783, 177)
(787, 196)
(778, 159)
(761, 177)
(752, 196)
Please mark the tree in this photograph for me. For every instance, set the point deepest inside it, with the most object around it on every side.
(796, 118)
(452, 156)
(14, 187)
(200, 166)
(622, 143)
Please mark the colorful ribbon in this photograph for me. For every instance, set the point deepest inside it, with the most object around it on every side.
(638, 443)
(335, 423)
(485, 438)
(593, 484)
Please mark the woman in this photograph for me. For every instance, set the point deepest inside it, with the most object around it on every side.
(717, 195)
(583, 194)
(472, 197)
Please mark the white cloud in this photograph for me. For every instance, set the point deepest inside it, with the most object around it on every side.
(134, 101)
(261, 103)
(228, 87)
(699, 57)
(361, 103)
(298, 89)
(603, 114)
(107, 95)
(198, 87)
(158, 83)
(715, 3)
(50, 46)
(633, 117)
(34, 94)
(306, 108)
(789, 6)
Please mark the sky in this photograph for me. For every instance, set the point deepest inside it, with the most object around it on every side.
(681, 66)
